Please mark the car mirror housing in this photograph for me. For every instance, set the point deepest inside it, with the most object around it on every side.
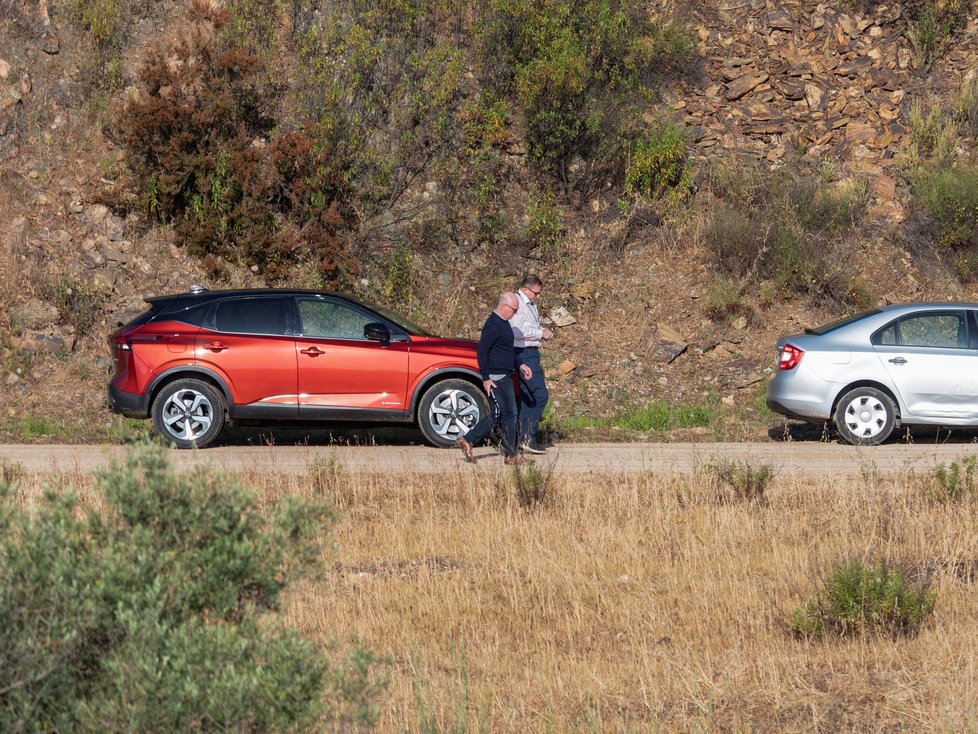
(378, 332)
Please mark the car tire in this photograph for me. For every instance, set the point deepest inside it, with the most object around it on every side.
(448, 409)
(188, 413)
(865, 416)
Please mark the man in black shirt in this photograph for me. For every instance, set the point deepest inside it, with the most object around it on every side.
(497, 364)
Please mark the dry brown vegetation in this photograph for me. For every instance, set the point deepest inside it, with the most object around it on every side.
(634, 602)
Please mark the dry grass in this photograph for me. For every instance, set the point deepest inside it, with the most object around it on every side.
(637, 603)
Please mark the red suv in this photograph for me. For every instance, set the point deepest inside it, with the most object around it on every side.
(263, 357)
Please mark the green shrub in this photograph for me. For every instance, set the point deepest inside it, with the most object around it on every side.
(580, 73)
(543, 227)
(734, 481)
(35, 426)
(788, 226)
(966, 109)
(79, 304)
(383, 83)
(105, 22)
(531, 486)
(739, 244)
(158, 612)
(483, 123)
(857, 599)
(933, 135)
(723, 298)
(790, 262)
(484, 132)
(11, 472)
(740, 184)
(827, 209)
(955, 482)
(126, 430)
(950, 197)
(930, 26)
(401, 281)
(658, 161)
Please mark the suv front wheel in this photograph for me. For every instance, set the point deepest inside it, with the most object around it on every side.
(188, 413)
(448, 409)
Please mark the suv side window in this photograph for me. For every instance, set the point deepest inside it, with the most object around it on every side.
(331, 320)
(252, 316)
(945, 330)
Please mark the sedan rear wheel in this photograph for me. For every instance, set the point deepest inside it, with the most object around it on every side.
(188, 413)
(449, 409)
(865, 416)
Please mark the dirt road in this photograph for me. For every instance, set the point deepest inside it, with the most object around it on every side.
(579, 458)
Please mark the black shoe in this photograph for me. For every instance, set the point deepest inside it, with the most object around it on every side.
(533, 448)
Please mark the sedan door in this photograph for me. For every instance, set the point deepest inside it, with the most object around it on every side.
(929, 358)
(342, 374)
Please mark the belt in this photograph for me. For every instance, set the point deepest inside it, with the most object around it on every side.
(522, 349)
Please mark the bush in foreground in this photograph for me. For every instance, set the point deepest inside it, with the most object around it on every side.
(157, 612)
(858, 598)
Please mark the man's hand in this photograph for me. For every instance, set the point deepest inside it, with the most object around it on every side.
(547, 334)
(488, 385)
(526, 372)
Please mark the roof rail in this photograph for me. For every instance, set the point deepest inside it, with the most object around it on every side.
(197, 288)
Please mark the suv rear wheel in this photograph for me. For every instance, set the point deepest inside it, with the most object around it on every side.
(188, 413)
(448, 409)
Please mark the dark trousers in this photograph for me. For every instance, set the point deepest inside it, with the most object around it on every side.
(504, 396)
(533, 394)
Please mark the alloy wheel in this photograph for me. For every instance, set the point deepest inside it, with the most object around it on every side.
(187, 414)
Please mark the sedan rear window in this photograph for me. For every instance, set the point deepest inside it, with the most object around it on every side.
(833, 325)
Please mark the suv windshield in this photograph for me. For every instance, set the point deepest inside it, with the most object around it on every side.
(833, 325)
(409, 326)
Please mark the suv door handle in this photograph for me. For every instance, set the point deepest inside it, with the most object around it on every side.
(898, 360)
(313, 351)
(215, 347)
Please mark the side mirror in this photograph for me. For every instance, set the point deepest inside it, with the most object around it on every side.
(377, 332)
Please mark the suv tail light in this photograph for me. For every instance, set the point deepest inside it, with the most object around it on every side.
(790, 357)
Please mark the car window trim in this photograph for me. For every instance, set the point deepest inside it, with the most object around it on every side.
(874, 338)
(397, 333)
(210, 321)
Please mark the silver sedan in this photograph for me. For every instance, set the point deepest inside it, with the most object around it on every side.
(915, 364)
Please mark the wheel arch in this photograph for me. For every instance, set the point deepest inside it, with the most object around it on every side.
(196, 373)
(445, 373)
(875, 385)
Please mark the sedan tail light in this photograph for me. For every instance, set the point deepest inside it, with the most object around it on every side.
(790, 357)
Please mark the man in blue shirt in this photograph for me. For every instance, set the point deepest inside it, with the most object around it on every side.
(497, 364)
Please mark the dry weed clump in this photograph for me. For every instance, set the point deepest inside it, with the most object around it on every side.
(636, 603)
(734, 481)
(530, 486)
(11, 472)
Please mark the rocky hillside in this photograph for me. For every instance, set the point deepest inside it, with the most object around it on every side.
(829, 81)
(829, 84)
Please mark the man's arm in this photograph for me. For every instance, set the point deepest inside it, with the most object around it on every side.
(486, 339)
